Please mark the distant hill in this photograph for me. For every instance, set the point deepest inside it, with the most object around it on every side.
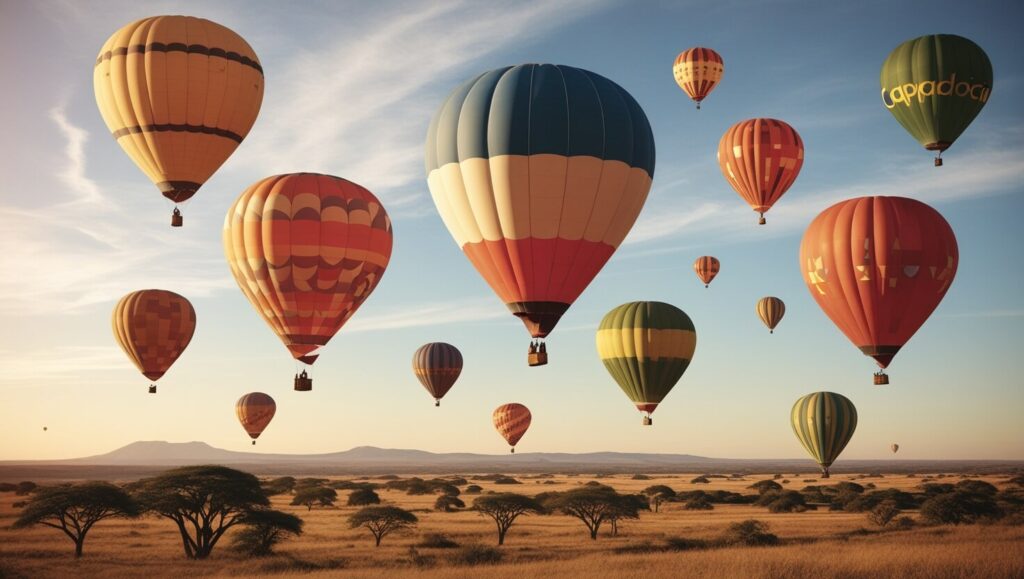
(145, 457)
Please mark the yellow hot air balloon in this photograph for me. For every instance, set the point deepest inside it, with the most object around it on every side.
(771, 309)
(179, 94)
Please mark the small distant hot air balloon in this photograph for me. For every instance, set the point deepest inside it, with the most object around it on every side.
(646, 347)
(761, 158)
(698, 71)
(824, 423)
(511, 421)
(539, 171)
(771, 309)
(153, 327)
(894, 447)
(935, 85)
(437, 365)
(44, 429)
(706, 268)
(255, 410)
(307, 250)
(878, 267)
(179, 94)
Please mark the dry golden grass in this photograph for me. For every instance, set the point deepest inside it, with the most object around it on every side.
(818, 543)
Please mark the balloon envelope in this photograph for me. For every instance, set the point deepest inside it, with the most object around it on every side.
(538, 172)
(178, 94)
(646, 347)
(255, 411)
(761, 158)
(935, 85)
(770, 310)
(698, 71)
(706, 268)
(307, 250)
(878, 267)
(511, 421)
(894, 447)
(153, 327)
(824, 423)
(437, 365)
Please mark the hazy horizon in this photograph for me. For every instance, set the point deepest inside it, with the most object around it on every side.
(350, 90)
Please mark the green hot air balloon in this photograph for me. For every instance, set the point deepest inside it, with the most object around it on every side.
(824, 422)
(646, 347)
(935, 85)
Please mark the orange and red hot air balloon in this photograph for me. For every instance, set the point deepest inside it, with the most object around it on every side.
(255, 410)
(511, 421)
(698, 71)
(878, 267)
(706, 268)
(153, 327)
(761, 158)
(437, 365)
(307, 250)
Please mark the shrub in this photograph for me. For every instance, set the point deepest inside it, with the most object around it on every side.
(750, 532)
(8, 487)
(783, 502)
(976, 486)
(698, 504)
(363, 497)
(506, 480)
(640, 477)
(960, 507)
(883, 513)
(765, 486)
(473, 490)
(448, 504)
(776, 477)
(472, 555)
(308, 496)
(279, 486)
(903, 523)
(265, 528)
(1017, 480)
(436, 541)
(684, 544)
(701, 480)
(24, 488)
(447, 489)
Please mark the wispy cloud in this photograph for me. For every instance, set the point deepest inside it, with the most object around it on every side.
(73, 174)
(430, 314)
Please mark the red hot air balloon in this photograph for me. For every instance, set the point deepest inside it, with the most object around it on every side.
(761, 158)
(437, 365)
(706, 268)
(255, 410)
(153, 327)
(878, 267)
(511, 421)
(307, 250)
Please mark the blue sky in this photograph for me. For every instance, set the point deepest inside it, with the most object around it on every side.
(350, 89)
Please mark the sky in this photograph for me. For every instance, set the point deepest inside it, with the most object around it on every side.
(350, 90)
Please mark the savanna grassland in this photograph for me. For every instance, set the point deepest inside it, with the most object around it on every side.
(817, 543)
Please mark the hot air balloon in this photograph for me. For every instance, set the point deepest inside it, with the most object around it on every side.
(255, 410)
(698, 71)
(307, 250)
(511, 421)
(935, 85)
(824, 423)
(538, 172)
(153, 327)
(646, 347)
(706, 268)
(878, 267)
(761, 158)
(771, 309)
(179, 94)
(894, 447)
(44, 429)
(437, 365)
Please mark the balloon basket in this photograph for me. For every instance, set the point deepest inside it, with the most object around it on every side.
(881, 379)
(648, 421)
(254, 443)
(537, 358)
(938, 161)
(176, 218)
(303, 384)
(512, 450)
(437, 403)
(152, 389)
(762, 220)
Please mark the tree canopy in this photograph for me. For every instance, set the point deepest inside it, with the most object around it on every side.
(505, 508)
(381, 521)
(74, 509)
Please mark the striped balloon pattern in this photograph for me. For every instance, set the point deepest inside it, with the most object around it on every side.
(646, 347)
(437, 365)
(307, 250)
(178, 94)
(539, 172)
(824, 423)
(706, 268)
(878, 267)
(761, 158)
(698, 71)
(153, 327)
(255, 410)
(511, 421)
(771, 309)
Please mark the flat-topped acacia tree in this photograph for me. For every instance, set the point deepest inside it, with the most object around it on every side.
(74, 509)
(505, 508)
(381, 521)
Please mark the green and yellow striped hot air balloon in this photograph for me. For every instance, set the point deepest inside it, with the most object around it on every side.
(935, 85)
(646, 347)
(824, 422)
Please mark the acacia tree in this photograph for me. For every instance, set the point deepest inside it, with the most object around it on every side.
(626, 507)
(309, 496)
(591, 504)
(505, 508)
(658, 494)
(382, 521)
(203, 501)
(448, 503)
(361, 497)
(264, 529)
(74, 509)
